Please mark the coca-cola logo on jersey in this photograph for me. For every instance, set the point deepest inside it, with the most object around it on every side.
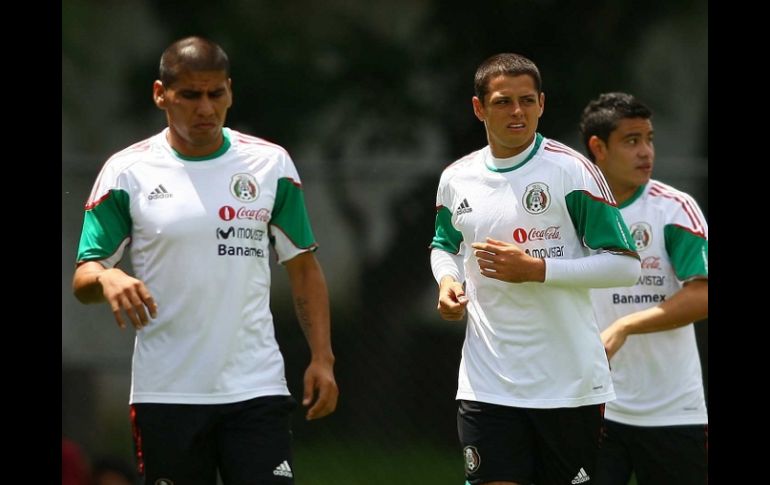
(651, 262)
(228, 213)
(521, 235)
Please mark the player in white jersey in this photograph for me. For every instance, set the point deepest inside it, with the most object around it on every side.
(198, 207)
(657, 426)
(524, 228)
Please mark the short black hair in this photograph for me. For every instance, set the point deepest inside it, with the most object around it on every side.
(507, 64)
(192, 54)
(602, 115)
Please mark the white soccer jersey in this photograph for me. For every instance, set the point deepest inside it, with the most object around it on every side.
(657, 376)
(200, 232)
(530, 344)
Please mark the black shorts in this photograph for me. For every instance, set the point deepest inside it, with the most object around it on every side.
(249, 442)
(659, 455)
(524, 445)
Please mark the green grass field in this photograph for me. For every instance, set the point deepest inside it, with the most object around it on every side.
(351, 462)
(354, 463)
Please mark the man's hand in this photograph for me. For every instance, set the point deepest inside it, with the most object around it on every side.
(507, 262)
(319, 383)
(613, 338)
(451, 299)
(126, 294)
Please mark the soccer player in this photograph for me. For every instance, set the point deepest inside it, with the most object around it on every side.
(657, 426)
(197, 208)
(529, 226)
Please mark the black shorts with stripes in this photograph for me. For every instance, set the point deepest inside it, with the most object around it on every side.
(247, 442)
(525, 445)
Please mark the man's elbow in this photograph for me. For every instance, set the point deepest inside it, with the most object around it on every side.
(628, 270)
(698, 292)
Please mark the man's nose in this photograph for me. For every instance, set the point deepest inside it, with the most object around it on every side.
(206, 105)
(647, 149)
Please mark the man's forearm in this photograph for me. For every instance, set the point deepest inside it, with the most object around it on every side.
(85, 282)
(688, 305)
(311, 304)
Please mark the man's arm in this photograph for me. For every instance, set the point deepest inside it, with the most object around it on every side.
(689, 304)
(447, 270)
(93, 283)
(311, 303)
(505, 261)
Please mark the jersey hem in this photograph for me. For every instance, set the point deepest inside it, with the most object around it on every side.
(177, 398)
(536, 403)
(654, 421)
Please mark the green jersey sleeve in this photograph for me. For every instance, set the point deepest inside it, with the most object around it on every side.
(446, 237)
(688, 252)
(599, 224)
(290, 214)
(107, 224)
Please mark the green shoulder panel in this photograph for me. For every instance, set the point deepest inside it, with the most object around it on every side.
(290, 214)
(599, 224)
(689, 252)
(105, 226)
(447, 238)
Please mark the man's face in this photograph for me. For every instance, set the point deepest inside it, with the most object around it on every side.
(510, 113)
(628, 156)
(196, 106)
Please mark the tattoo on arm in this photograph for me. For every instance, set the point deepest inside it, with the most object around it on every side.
(300, 306)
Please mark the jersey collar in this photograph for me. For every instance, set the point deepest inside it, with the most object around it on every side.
(518, 160)
(633, 198)
(220, 151)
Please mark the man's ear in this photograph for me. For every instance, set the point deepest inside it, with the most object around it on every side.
(542, 104)
(598, 147)
(159, 94)
(478, 108)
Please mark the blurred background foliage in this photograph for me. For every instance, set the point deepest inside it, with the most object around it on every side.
(372, 99)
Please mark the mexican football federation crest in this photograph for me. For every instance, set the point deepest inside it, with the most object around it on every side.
(244, 187)
(642, 234)
(472, 459)
(536, 198)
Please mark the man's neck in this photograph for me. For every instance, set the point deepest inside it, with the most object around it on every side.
(622, 192)
(187, 150)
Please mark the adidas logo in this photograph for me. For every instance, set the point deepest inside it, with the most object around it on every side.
(284, 470)
(160, 192)
(464, 207)
(581, 477)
